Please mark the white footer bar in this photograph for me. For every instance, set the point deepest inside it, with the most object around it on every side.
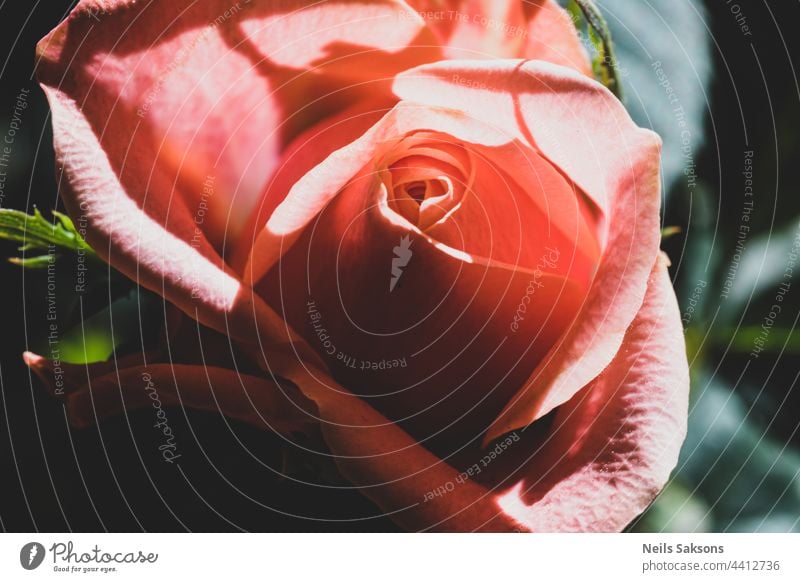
(389, 557)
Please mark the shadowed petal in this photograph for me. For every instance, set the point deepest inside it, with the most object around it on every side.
(601, 461)
(97, 391)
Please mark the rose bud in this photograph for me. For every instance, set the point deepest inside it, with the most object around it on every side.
(435, 241)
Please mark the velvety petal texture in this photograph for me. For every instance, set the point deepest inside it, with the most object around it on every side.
(190, 366)
(489, 284)
(588, 135)
(594, 466)
(419, 229)
(490, 29)
(467, 290)
(170, 117)
(611, 448)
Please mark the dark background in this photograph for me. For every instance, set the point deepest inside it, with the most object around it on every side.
(739, 471)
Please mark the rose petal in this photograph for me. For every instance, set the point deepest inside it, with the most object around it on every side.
(98, 391)
(454, 314)
(389, 466)
(307, 151)
(614, 444)
(186, 272)
(590, 136)
(440, 351)
(586, 132)
(608, 453)
(182, 91)
(520, 205)
(478, 29)
(552, 37)
(170, 116)
(317, 187)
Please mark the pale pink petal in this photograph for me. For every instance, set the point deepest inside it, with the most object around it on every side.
(612, 447)
(480, 29)
(188, 272)
(186, 93)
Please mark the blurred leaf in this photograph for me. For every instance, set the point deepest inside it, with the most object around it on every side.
(775, 523)
(700, 259)
(760, 269)
(674, 33)
(675, 510)
(118, 325)
(740, 471)
(742, 339)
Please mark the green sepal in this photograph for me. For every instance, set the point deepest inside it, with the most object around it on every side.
(604, 62)
(36, 233)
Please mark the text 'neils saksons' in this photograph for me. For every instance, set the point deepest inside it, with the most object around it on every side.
(664, 548)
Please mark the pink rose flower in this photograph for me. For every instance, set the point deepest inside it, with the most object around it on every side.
(434, 233)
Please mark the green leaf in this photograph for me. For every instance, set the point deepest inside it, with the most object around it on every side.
(674, 34)
(36, 233)
(743, 339)
(677, 509)
(730, 459)
(40, 262)
(604, 63)
(98, 336)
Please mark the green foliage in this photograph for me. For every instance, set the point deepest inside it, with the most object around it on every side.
(38, 234)
(585, 13)
(97, 337)
(677, 509)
